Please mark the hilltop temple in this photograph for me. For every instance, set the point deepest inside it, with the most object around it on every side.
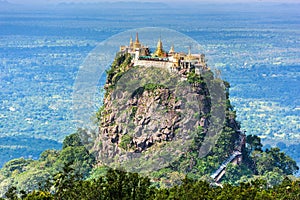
(173, 61)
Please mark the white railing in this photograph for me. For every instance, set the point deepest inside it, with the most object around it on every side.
(225, 163)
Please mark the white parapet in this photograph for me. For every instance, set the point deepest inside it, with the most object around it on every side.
(152, 63)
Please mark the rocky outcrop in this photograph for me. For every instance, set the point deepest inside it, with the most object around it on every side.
(147, 108)
(148, 114)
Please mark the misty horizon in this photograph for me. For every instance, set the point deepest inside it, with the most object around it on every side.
(55, 2)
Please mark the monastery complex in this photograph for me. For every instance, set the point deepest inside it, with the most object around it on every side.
(171, 60)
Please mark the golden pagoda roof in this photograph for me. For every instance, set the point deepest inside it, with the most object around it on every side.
(190, 56)
(131, 42)
(172, 49)
(159, 49)
(137, 42)
(137, 38)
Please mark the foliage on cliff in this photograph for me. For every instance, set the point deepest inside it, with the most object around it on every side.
(31, 174)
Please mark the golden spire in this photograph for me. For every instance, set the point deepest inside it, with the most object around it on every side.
(159, 49)
(172, 49)
(159, 44)
(137, 38)
(131, 42)
(137, 42)
(189, 56)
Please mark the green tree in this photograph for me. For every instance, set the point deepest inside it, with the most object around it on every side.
(122, 185)
(79, 158)
(48, 158)
(283, 161)
(32, 179)
(225, 144)
(272, 160)
(11, 194)
(235, 172)
(64, 182)
(76, 154)
(72, 140)
(253, 143)
(39, 195)
(16, 165)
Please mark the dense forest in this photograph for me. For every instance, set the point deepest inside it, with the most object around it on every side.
(117, 184)
(71, 174)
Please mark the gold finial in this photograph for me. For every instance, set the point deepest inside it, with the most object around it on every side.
(159, 52)
(189, 56)
(137, 38)
(137, 42)
(159, 43)
(131, 42)
(172, 49)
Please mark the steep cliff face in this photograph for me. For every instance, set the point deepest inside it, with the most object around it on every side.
(146, 108)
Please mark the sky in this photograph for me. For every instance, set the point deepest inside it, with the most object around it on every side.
(93, 1)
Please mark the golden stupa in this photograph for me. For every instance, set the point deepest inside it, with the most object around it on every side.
(159, 52)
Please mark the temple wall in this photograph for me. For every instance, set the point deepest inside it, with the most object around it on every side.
(151, 63)
(164, 65)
